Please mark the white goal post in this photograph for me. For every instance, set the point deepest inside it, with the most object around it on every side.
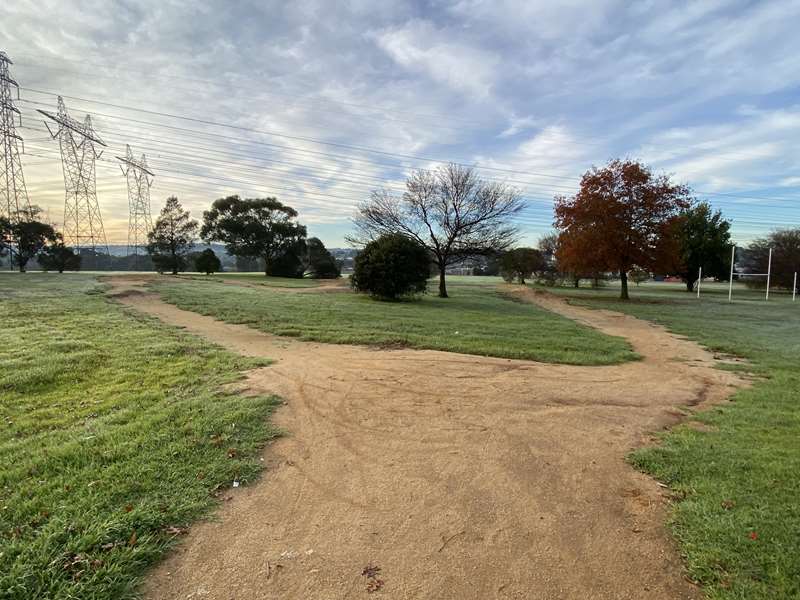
(768, 275)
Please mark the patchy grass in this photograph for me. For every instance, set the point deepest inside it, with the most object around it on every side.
(475, 320)
(738, 475)
(255, 279)
(116, 435)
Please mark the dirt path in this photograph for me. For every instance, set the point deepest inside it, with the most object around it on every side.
(460, 477)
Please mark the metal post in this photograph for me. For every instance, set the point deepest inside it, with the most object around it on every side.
(769, 272)
(794, 287)
(699, 279)
(730, 281)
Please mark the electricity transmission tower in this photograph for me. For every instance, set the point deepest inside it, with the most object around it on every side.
(13, 193)
(83, 225)
(139, 181)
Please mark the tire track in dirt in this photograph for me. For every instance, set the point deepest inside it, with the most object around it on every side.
(461, 477)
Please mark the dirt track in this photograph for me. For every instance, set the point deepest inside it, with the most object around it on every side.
(460, 477)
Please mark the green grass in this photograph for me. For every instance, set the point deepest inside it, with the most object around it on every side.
(476, 319)
(113, 423)
(741, 476)
(256, 279)
(116, 435)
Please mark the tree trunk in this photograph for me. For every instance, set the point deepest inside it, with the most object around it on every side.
(577, 282)
(689, 285)
(623, 277)
(442, 284)
(521, 280)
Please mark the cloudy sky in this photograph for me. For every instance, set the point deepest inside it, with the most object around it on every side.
(318, 102)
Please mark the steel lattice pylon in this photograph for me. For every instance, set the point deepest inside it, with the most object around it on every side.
(83, 225)
(13, 193)
(139, 221)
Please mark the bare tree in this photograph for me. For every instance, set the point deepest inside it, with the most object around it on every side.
(450, 210)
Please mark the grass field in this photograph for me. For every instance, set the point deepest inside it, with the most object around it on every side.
(474, 320)
(116, 435)
(255, 279)
(737, 480)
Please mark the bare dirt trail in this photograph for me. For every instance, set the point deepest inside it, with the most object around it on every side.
(460, 477)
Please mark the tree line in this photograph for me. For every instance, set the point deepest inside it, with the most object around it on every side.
(624, 221)
(25, 237)
(256, 229)
(260, 229)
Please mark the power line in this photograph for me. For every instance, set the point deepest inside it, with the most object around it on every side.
(370, 176)
(174, 174)
(217, 83)
(362, 185)
(296, 137)
(600, 143)
(341, 145)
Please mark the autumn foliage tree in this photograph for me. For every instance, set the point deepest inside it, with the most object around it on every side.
(617, 219)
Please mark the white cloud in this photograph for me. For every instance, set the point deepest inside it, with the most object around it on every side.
(517, 125)
(706, 90)
(421, 47)
(752, 153)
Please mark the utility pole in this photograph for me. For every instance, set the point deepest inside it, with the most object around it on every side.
(83, 225)
(140, 222)
(13, 193)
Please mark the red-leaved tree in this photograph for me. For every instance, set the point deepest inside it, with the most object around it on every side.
(617, 220)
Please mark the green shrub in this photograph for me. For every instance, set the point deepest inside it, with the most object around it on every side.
(207, 262)
(390, 267)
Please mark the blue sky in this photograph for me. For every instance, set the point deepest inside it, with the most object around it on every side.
(330, 99)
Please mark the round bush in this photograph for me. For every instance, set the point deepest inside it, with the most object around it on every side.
(207, 262)
(390, 267)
